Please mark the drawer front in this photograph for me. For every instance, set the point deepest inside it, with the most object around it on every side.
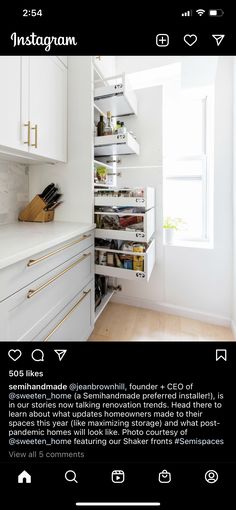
(75, 322)
(109, 201)
(26, 313)
(17, 276)
(140, 197)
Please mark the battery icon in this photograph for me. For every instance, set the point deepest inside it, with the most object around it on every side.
(216, 13)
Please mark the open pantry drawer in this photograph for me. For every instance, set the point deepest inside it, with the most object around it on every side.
(147, 261)
(143, 233)
(112, 145)
(135, 197)
(117, 96)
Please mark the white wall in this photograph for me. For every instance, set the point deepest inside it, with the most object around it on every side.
(234, 212)
(75, 177)
(190, 281)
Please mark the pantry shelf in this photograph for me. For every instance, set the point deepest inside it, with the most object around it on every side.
(103, 304)
(118, 97)
(98, 111)
(145, 197)
(100, 163)
(130, 274)
(143, 235)
(113, 145)
(97, 185)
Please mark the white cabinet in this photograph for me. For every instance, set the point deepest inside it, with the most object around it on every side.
(57, 284)
(106, 65)
(75, 322)
(10, 102)
(33, 108)
(48, 108)
(16, 276)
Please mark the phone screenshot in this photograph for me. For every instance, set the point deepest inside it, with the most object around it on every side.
(117, 258)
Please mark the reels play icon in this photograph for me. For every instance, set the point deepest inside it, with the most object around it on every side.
(118, 476)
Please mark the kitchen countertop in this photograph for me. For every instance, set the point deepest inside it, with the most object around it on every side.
(21, 240)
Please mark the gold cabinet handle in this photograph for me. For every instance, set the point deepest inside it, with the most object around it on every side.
(85, 293)
(32, 292)
(28, 132)
(32, 262)
(35, 144)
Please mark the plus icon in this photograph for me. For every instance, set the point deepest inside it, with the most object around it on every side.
(162, 40)
(162, 387)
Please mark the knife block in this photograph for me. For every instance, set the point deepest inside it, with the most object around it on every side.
(34, 211)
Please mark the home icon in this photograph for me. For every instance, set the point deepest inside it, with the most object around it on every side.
(24, 477)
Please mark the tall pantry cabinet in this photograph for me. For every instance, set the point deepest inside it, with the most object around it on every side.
(124, 216)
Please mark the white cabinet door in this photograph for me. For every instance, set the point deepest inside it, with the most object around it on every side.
(48, 107)
(27, 312)
(105, 65)
(10, 103)
(75, 322)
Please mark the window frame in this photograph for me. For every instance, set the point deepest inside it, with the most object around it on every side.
(206, 158)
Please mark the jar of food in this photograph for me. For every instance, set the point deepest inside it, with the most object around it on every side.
(102, 258)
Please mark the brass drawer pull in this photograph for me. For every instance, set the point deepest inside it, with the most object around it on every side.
(85, 293)
(35, 144)
(28, 132)
(32, 292)
(32, 262)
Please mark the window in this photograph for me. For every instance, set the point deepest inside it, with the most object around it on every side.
(187, 161)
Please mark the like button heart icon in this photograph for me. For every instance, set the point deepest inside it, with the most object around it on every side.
(14, 354)
(190, 39)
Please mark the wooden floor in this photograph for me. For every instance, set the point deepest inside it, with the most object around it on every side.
(122, 322)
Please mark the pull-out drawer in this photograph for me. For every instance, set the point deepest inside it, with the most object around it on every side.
(146, 262)
(143, 233)
(19, 275)
(24, 314)
(135, 197)
(75, 321)
(115, 144)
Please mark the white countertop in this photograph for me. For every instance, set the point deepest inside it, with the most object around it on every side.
(21, 240)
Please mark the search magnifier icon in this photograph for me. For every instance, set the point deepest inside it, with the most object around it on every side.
(70, 476)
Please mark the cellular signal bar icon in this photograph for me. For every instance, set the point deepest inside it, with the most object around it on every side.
(187, 13)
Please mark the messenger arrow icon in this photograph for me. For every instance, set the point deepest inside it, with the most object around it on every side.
(218, 38)
(61, 353)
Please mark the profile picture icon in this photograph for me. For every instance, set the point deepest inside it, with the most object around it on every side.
(211, 476)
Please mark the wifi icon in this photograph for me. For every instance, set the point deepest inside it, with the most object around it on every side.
(200, 12)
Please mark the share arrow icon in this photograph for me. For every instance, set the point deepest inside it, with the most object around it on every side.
(219, 38)
(61, 353)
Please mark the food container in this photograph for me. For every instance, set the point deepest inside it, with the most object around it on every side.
(102, 258)
(128, 263)
(110, 259)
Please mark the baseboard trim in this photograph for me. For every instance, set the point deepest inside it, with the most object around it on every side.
(233, 327)
(189, 313)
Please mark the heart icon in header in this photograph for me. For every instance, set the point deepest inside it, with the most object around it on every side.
(190, 39)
